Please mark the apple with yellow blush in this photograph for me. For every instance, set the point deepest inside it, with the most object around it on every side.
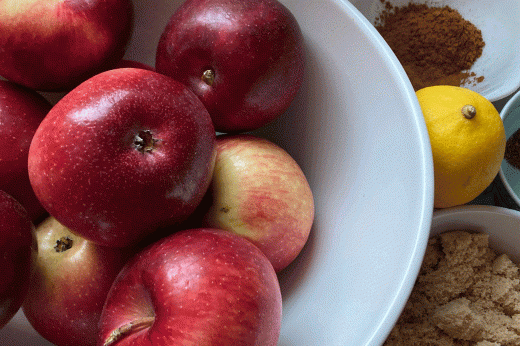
(56, 44)
(260, 192)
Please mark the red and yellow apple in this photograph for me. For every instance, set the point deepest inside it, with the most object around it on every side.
(260, 192)
(70, 285)
(56, 44)
(195, 287)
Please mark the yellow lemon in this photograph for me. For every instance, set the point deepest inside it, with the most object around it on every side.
(468, 142)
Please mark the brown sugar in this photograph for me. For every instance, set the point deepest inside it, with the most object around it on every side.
(465, 294)
(435, 45)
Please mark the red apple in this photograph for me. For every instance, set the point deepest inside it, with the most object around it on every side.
(195, 287)
(259, 192)
(21, 111)
(125, 152)
(56, 44)
(71, 282)
(17, 254)
(244, 59)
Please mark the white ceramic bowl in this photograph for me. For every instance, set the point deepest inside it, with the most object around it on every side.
(501, 224)
(498, 21)
(357, 131)
(509, 175)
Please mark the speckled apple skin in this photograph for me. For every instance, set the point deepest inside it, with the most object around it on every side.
(255, 48)
(68, 288)
(200, 287)
(17, 256)
(21, 111)
(260, 192)
(57, 44)
(87, 172)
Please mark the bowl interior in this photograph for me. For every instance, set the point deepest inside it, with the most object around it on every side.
(501, 224)
(358, 133)
(509, 174)
(498, 22)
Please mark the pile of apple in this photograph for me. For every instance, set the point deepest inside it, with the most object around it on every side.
(137, 209)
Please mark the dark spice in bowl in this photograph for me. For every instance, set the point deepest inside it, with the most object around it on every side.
(435, 45)
(512, 153)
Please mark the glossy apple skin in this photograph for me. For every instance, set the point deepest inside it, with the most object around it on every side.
(70, 285)
(17, 254)
(21, 111)
(197, 287)
(56, 44)
(254, 47)
(88, 172)
(260, 192)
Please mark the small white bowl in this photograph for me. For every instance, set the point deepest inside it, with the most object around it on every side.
(501, 224)
(509, 175)
(498, 22)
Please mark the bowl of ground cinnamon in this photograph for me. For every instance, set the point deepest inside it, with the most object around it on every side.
(472, 44)
(467, 291)
(509, 172)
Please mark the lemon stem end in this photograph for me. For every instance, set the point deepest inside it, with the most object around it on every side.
(469, 111)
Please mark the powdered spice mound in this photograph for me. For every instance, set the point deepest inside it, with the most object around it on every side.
(435, 45)
(465, 294)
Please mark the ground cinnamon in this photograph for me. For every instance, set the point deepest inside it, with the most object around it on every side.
(435, 45)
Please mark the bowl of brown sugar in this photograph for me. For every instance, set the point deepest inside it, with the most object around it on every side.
(467, 291)
(452, 42)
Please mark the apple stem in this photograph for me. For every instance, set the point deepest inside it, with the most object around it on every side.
(128, 328)
(63, 244)
(145, 142)
(208, 77)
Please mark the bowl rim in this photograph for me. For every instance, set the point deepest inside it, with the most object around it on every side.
(452, 212)
(388, 320)
(498, 222)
